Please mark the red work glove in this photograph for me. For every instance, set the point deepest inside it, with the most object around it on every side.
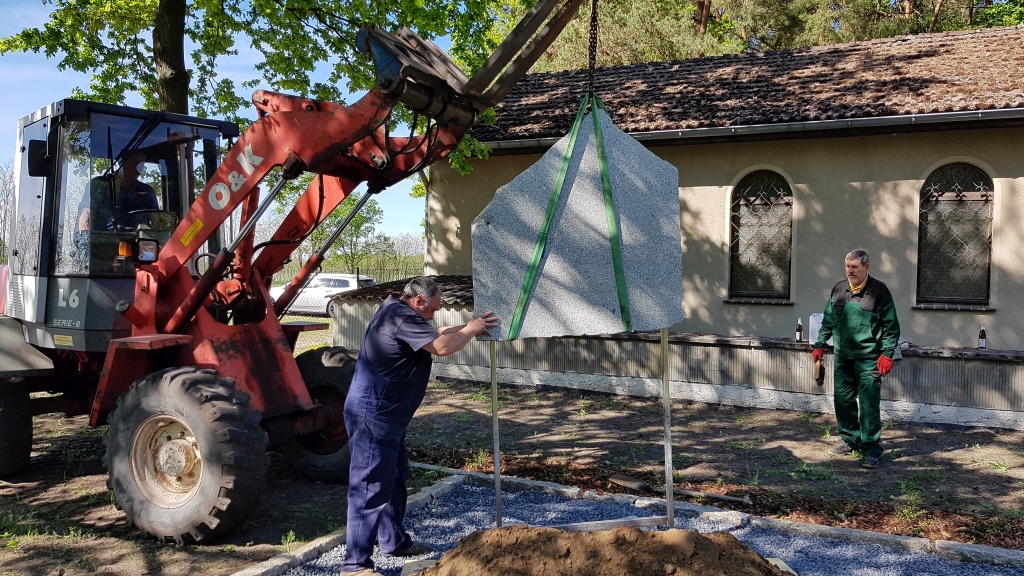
(884, 365)
(818, 354)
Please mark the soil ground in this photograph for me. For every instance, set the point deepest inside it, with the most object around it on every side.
(523, 551)
(942, 482)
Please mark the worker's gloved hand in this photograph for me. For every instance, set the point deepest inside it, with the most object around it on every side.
(818, 354)
(884, 365)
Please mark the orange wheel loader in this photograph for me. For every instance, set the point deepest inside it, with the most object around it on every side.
(130, 296)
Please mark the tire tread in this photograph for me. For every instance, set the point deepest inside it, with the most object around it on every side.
(229, 421)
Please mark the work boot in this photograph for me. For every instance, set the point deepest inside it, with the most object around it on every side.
(869, 462)
(841, 449)
(414, 550)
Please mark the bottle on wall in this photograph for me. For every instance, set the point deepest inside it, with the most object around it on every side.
(982, 340)
(799, 329)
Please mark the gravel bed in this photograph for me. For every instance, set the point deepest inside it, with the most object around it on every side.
(470, 507)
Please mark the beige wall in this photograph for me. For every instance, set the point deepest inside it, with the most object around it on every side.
(848, 192)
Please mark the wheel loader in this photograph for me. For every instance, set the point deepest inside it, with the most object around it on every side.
(136, 294)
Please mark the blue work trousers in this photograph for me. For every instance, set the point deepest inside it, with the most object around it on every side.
(376, 491)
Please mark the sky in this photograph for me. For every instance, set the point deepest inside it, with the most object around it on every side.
(31, 82)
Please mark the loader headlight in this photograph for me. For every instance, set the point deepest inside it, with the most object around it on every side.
(148, 250)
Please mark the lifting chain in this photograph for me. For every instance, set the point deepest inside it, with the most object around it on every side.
(593, 44)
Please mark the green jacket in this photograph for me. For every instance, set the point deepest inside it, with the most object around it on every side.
(862, 326)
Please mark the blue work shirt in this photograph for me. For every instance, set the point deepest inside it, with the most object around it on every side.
(392, 371)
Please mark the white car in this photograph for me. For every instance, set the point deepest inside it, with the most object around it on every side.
(315, 298)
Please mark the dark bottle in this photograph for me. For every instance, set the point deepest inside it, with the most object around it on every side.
(982, 341)
(799, 330)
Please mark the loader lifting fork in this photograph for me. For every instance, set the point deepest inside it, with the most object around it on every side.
(195, 374)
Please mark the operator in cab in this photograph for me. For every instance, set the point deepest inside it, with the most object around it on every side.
(388, 386)
(102, 210)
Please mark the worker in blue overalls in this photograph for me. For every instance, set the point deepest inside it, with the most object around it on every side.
(388, 385)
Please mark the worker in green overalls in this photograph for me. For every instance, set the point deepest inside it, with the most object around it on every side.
(861, 320)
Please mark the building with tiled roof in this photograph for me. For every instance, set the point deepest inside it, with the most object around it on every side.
(911, 148)
(934, 78)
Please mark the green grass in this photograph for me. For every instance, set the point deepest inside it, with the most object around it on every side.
(1000, 466)
(736, 445)
(908, 487)
(925, 477)
(480, 459)
(289, 542)
(807, 472)
(809, 417)
(908, 514)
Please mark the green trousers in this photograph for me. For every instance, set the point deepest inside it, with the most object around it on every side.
(855, 384)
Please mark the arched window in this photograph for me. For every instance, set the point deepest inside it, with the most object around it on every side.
(955, 241)
(762, 232)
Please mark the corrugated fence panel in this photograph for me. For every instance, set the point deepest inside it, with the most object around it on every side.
(975, 383)
(351, 321)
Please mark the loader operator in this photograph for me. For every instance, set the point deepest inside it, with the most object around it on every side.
(860, 317)
(96, 212)
(388, 385)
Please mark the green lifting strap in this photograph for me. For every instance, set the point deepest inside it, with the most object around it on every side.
(549, 215)
(613, 230)
(613, 227)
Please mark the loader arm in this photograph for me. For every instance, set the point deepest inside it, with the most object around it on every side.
(227, 312)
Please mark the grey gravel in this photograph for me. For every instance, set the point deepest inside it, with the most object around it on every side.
(470, 507)
(575, 293)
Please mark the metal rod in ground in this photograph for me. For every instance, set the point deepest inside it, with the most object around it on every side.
(667, 402)
(497, 446)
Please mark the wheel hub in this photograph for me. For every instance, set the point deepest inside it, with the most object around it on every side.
(166, 461)
(176, 457)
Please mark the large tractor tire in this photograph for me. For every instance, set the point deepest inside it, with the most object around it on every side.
(323, 455)
(186, 455)
(15, 428)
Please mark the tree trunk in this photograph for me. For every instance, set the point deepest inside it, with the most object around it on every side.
(935, 16)
(169, 53)
(703, 14)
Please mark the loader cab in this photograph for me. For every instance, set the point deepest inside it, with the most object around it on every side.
(100, 188)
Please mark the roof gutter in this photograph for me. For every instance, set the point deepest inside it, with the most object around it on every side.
(1013, 114)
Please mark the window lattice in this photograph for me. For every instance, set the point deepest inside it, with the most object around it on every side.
(761, 243)
(955, 241)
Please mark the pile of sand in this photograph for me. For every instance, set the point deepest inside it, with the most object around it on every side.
(523, 551)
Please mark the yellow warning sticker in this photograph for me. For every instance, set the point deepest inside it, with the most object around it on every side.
(63, 340)
(194, 229)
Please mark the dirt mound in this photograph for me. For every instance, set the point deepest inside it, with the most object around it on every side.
(523, 551)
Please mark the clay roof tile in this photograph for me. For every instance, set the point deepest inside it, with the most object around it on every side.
(927, 73)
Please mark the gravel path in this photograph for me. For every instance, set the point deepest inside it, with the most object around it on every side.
(470, 507)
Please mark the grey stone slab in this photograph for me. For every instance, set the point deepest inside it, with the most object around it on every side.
(729, 517)
(575, 292)
(284, 562)
(414, 567)
(978, 553)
